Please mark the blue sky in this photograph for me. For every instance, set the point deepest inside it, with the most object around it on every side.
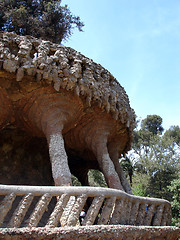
(138, 41)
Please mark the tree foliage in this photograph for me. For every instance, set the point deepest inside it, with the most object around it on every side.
(45, 19)
(175, 189)
(174, 132)
(127, 167)
(150, 126)
(153, 124)
(156, 155)
(96, 178)
(156, 161)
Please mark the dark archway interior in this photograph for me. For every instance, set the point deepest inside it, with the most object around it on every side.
(24, 160)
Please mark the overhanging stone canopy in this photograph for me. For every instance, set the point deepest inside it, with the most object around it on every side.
(53, 91)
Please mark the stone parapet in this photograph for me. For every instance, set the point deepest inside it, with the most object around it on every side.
(102, 232)
(28, 206)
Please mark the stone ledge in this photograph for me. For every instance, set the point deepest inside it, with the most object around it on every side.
(92, 233)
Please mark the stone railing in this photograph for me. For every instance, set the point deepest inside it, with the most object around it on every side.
(37, 206)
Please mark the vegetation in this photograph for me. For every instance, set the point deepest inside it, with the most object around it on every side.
(153, 165)
(174, 132)
(155, 159)
(45, 19)
(175, 203)
(158, 158)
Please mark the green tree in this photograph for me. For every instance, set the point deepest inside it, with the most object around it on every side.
(153, 124)
(174, 132)
(155, 155)
(164, 162)
(127, 167)
(150, 126)
(160, 164)
(175, 203)
(156, 163)
(45, 19)
(96, 178)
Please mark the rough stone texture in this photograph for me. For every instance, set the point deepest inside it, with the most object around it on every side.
(53, 92)
(42, 206)
(92, 233)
